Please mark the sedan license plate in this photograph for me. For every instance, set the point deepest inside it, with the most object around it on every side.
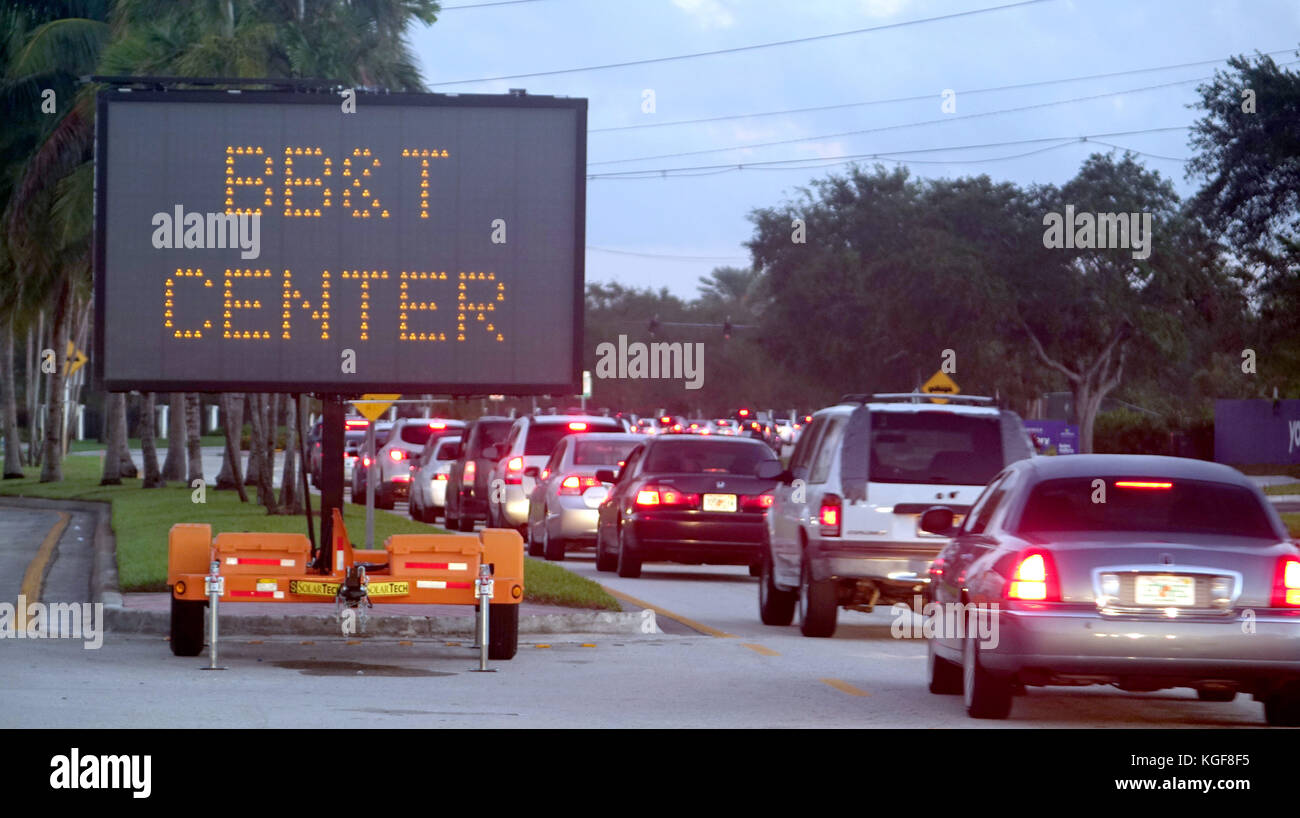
(1161, 589)
(719, 502)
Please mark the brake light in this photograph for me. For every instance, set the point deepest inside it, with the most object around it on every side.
(653, 495)
(665, 420)
(440, 477)
(829, 515)
(1034, 578)
(515, 471)
(1286, 583)
(546, 473)
(757, 502)
(744, 413)
(365, 461)
(576, 484)
(397, 455)
(1142, 484)
(677, 427)
(437, 425)
(471, 468)
(355, 424)
(577, 426)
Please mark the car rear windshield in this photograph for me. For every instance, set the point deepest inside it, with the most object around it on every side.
(602, 452)
(491, 433)
(1145, 504)
(542, 437)
(934, 447)
(699, 456)
(420, 433)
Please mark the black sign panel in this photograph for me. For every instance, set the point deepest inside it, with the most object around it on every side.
(271, 241)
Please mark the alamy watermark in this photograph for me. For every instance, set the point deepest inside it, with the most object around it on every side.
(75, 771)
(1099, 231)
(659, 359)
(947, 620)
(208, 231)
(54, 620)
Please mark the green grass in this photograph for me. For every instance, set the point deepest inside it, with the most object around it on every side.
(142, 518)
(1283, 488)
(1292, 520)
(1290, 469)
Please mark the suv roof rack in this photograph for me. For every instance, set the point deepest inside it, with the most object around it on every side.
(919, 397)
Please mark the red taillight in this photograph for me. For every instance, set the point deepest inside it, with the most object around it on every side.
(515, 471)
(440, 477)
(397, 455)
(545, 473)
(577, 426)
(1142, 484)
(757, 502)
(365, 461)
(355, 424)
(666, 496)
(744, 413)
(1034, 578)
(1286, 583)
(576, 484)
(470, 469)
(829, 515)
(665, 420)
(437, 425)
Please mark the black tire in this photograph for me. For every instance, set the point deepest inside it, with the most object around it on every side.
(431, 515)
(503, 631)
(775, 607)
(410, 509)
(187, 627)
(629, 564)
(818, 607)
(605, 561)
(465, 523)
(385, 499)
(756, 569)
(534, 546)
(1216, 695)
(552, 548)
(1282, 707)
(945, 677)
(987, 695)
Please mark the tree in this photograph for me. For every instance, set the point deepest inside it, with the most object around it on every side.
(153, 478)
(231, 416)
(194, 442)
(174, 466)
(116, 436)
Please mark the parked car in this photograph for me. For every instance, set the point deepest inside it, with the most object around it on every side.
(467, 481)
(562, 506)
(1137, 571)
(429, 478)
(843, 530)
(530, 442)
(685, 498)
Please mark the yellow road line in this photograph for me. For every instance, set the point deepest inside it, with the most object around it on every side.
(690, 623)
(845, 687)
(35, 576)
(759, 649)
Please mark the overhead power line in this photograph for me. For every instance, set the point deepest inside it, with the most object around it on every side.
(652, 173)
(923, 97)
(754, 47)
(666, 255)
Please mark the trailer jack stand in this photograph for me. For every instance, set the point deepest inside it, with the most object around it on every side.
(352, 602)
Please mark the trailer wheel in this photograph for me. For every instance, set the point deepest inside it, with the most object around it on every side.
(503, 631)
(187, 627)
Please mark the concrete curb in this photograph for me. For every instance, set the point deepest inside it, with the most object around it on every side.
(120, 619)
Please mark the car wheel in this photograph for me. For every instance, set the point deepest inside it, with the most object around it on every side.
(775, 607)
(629, 565)
(503, 631)
(432, 515)
(385, 499)
(413, 510)
(945, 677)
(187, 627)
(1282, 706)
(534, 546)
(1217, 694)
(465, 523)
(553, 548)
(818, 607)
(755, 569)
(987, 695)
(605, 561)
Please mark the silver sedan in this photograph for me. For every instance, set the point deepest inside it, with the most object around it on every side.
(562, 508)
(1140, 572)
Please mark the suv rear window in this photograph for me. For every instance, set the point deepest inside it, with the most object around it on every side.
(934, 447)
(701, 456)
(490, 433)
(1163, 506)
(602, 452)
(419, 433)
(542, 437)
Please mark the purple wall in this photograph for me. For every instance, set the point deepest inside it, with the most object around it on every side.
(1257, 431)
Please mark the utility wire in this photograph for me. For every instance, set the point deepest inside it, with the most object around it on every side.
(665, 255)
(921, 97)
(742, 48)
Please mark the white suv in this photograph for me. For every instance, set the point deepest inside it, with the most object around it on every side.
(844, 527)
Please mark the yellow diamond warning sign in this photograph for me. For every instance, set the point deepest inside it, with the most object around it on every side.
(374, 406)
(940, 384)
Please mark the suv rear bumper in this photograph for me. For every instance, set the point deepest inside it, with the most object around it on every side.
(904, 562)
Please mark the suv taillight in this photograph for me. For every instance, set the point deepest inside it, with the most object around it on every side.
(397, 455)
(1034, 578)
(470, 468)
(576, 484)
(1286, 583)
(828, 516)
(515, 471)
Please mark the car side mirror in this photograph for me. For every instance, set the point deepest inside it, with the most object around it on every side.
(532, 471)
(771, 470)
(491, 453)
(938, 520)
(606, 476)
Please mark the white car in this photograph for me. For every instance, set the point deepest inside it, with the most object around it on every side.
(844, 529)
(429, 478)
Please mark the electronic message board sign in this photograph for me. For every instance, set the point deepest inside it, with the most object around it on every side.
(269, 241)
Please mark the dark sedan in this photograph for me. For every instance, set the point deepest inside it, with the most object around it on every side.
(1140, 572)
(688, 499)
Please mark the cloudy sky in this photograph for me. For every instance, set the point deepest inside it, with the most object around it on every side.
(880, 92)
